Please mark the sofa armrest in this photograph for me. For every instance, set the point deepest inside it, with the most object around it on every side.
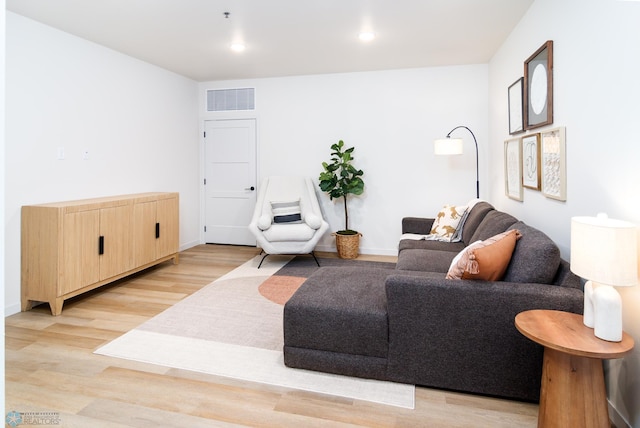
(461, 335)
(417, 225)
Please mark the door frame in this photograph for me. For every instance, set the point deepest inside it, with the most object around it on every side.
(222, 116)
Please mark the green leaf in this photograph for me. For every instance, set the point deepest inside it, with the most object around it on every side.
(340, 178)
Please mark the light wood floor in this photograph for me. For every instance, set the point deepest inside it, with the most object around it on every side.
(50, 367)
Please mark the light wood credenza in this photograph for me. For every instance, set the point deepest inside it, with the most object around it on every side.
(69, 248)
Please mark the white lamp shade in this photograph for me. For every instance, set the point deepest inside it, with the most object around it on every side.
(448, 146)
(604, 250)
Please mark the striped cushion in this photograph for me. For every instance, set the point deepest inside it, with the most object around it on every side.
(286, 212)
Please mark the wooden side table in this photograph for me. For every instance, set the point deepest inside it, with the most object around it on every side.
(572, 392)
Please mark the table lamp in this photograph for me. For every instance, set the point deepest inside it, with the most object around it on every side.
(604, 251)
(453, 146)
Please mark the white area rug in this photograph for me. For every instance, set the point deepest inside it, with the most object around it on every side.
(228, 329)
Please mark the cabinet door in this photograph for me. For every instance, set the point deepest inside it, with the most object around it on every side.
(115, 229)
(167, 219)
(80, 263)
(144, 233)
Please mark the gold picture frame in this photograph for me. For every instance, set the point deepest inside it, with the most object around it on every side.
(554, 163)
(513, 169)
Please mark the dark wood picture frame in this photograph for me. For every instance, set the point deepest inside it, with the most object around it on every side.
(515, 98)
(538, 87)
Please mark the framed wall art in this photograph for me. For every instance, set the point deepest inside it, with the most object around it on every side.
(554, 163)
(516, 120)
(531, 161)
(513, 169)
(538, 87)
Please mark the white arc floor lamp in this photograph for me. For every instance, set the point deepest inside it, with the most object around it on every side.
(453, 146)
(605, 252)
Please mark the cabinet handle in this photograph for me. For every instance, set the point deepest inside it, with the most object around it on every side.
(157, 230)
(101, 245)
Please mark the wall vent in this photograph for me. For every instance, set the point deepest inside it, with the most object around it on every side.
(231, 99)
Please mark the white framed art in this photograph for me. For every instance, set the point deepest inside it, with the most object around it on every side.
(554, 163)
(513, 169)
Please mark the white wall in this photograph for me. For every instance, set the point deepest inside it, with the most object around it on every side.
(140, 125)
(392, 118)
(596, 92)
(2, 203)
(138, 122)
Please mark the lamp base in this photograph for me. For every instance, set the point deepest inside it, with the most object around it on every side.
(587, 314)
(607, 308)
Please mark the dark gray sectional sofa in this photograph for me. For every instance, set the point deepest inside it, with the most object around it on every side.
(412, 325)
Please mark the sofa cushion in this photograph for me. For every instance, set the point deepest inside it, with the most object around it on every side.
(423, 244)
(493, 223)
(486, 260)
(283, 232)
(535, 259)
(475, 217)
(340, 310)
(427, 260)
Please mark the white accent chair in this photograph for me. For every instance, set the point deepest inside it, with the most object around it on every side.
(292, 231)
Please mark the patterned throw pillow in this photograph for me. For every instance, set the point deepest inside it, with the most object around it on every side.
(286, 212)
(446, 222)
(487, 260)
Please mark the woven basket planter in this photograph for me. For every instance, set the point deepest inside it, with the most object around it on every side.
(347, 244)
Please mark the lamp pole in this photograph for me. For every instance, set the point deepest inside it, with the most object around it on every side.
(477, 167)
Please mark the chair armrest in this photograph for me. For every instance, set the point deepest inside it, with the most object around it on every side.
(265, 219)
(417, 225)
(310, 213)
(313, 221)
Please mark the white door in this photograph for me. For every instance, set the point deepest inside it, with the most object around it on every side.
(230, 181)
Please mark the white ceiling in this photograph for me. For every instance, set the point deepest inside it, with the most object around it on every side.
(285, 37)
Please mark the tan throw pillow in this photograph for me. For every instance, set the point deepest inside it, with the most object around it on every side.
(487, 260)
(460, 261)
(446, 222)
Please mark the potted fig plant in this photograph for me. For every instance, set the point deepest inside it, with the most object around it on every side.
(339, 179)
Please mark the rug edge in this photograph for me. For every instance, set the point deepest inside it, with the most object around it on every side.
(138, 337)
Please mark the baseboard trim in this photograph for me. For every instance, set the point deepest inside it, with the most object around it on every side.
(188, 245)
(370, 251)
(11, 309)
(616, 418)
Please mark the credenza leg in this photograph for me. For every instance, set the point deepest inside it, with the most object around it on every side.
(56, 306)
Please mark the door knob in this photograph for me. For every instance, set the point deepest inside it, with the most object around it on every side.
(250, 188)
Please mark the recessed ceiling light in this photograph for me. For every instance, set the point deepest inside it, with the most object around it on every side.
(238, 47)
(366, 36)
